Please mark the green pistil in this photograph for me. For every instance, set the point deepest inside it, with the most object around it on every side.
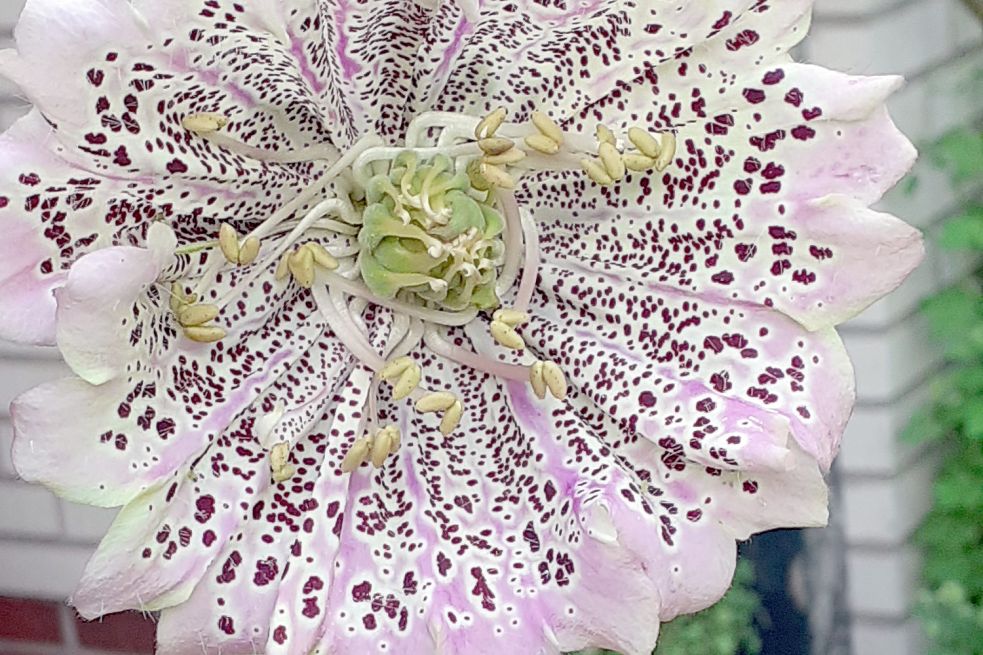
(427, 234)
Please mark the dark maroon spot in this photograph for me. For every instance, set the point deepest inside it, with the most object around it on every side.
(206, 508)
(754, 96)
(774, 77)
(361, 591)
(226, 625)
(176, 166)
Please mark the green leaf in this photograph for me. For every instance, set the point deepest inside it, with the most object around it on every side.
(964, 231)
(960, 152)
(953, 316)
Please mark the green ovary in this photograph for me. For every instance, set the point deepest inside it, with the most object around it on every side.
(428, 237)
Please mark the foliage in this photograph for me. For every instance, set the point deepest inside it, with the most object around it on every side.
(726, 628)
(951, 606)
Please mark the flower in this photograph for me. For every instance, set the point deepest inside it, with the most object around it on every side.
(454, 328)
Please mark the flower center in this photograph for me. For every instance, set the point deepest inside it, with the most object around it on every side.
(430, 230)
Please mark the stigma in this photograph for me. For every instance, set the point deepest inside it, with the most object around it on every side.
(430, 230)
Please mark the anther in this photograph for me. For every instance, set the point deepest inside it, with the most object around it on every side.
(547, 127)
(496, 176)
(301, 264)
(506, 335)
(605, 135)
(668, 151)
(513, 156)
(407, 382)
(495, 145)
(195, 315)
(283, 268)
(248, 251)
(596, 172)
(279, 465)
(381, 447)
(395, 368)
(555, 380)
(638, 162)
(228, 242)
(542, 143)
(488, 125)
(644, 142)
(536, 380)
(204, 123)
(510, 317)
(204, 334)
(478, 181)
(322, 257)
(439, 401)
(178, 299)
(452, 418)
(356, 455)
(612, 161)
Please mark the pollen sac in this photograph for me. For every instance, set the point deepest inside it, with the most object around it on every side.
(429, 237)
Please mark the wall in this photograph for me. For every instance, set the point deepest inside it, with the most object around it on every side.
(44, 542)
(885, 484)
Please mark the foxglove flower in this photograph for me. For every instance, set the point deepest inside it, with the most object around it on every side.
(404, 327)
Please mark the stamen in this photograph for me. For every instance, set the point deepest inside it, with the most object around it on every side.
(301, 265)
(322, 257)
(511, 317)
(204, 334)
(408, 381)
(204, 123)
(512, 156)
(382, 446)
(495, 145)
(668, 151)
(279, 464)
(547, 127)
(439, 401)
(611, 158)
(496, 176)
(537, 381)
(356, 455)
(556, 381)
(452, 418)
(596, 172)
(395, 368)
(196, 315)
(248, 251)
(638, 162)
(490, 124)
(228, 242)
(507, 336)
(644, 142)
(542, 143)
(605, 135)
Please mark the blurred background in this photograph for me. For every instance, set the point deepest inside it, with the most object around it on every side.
(900, 568)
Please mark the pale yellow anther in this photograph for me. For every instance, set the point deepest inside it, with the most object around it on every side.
(204, 333)
(195, 315)
(612, 161)
(605, 135)
(495, 145)
(547, 127)
(451, 418)
(635, 161)
(439, 401)
(596, 172)
(381, 447)
(510, 317)
(228, 242)
(279, 461)
(301, 264)
(204, 123)
(395, 368)
(248, 251)
(556, 381)
(536, 380)
(407, 382)
(644, 142)
(397, 438)
(478, 181)
(322, 257)
(668, 151)
(507, 158)
(496, 176)
(506, 335)
(177, 297)
(542, 143)
(356, 455)
(488, 125)
(283, 268)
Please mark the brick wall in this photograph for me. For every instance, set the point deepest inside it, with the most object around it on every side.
(44, 542)
(885, 484)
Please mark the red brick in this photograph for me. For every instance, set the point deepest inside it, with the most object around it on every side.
(29, 620)
(129, 632)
